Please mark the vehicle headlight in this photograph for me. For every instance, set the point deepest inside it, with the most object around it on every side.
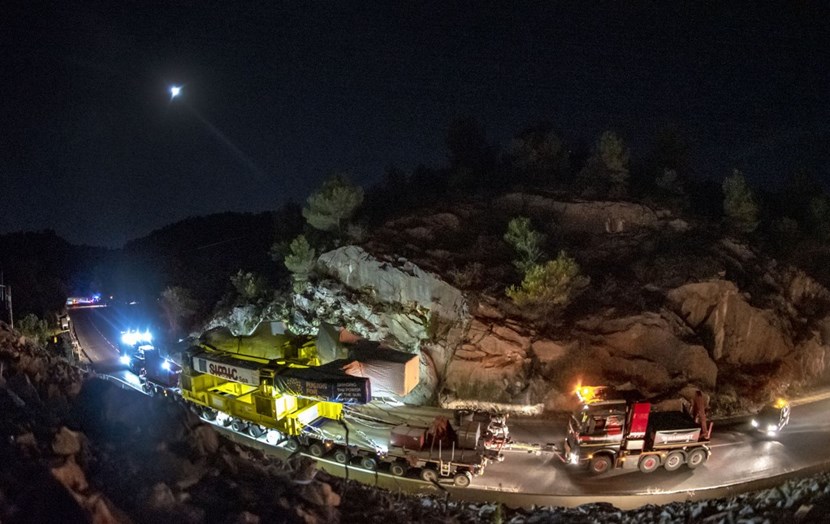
(754, 423)
(574, 458)
(772, 428)
(165, 365)
(124, 359)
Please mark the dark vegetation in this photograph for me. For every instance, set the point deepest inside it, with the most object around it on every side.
(230, 258)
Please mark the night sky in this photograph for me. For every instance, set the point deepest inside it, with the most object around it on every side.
(277, 96)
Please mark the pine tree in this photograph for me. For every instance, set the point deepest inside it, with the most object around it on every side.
(333, 205)
(739, 206)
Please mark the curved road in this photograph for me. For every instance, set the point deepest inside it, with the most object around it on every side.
(740, 460)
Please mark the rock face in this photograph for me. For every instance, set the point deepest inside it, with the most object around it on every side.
(738, 333)
(660, 313)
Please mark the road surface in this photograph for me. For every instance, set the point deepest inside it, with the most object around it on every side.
(740, 460)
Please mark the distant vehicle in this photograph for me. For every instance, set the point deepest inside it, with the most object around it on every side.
(64, 322)
(158, 375)
(84, 301)
(131, 339)
(772, 418)
(617, 429)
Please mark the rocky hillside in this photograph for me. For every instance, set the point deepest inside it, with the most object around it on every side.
(673, 304)
(74, 448)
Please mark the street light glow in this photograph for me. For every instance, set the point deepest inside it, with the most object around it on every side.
(174, 91)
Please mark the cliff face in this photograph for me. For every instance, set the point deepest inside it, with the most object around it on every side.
(671, 306)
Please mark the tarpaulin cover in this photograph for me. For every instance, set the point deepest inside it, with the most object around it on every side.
(329, 347)
(389, 371)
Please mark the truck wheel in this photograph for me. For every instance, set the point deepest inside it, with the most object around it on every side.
(369, 463)
(340, 456)
(696, 458)
(292, 445)
(599, 464)
(240, 426)
(208, 414)
(397, 469)
(649, 463)
(428, 475)
(674, 461)
(316, 450)
(463, 479)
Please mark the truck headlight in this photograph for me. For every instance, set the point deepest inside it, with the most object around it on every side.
(574, 458)
(124, 359)
(754, 423)
(772, 428)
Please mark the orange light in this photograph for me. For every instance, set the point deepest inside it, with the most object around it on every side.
(780, 403)
(585, 393)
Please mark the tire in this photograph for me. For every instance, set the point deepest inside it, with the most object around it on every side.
(649, 463)
(462, 479)
(239, 426)
(369, 463)
(428, 475)
(208, 414)
(316, 450)
(674, 461)
(292, 445)
(600, 464)
(397, 469)
(340, 456)
(255, 430)
(696, 457)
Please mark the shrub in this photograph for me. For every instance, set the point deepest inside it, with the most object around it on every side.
(549, 286)
(300, 260)
(526, 241)
(249, 286)
(34, 328)
(739, 206)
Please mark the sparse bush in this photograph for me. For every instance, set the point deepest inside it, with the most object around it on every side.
(34, 328)
(550, 286)
(468, 277)
(300, 261)
(249, 285)
(739, 204)
(606, 171)
(526, 241)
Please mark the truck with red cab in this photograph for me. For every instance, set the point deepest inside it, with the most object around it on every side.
(619, 429)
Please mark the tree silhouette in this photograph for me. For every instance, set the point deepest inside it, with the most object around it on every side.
(739, 206)
(334, 204)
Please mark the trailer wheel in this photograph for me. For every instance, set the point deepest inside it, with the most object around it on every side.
(340, 456)
(696, 458)
(397, 469)
(255, 430)
(599, 464)
(649, 463)
(463, 479)
(674, 461)
(316, 450)
(369, 463)
(239, 425)
(428, 475)
(292, 445)
(208, 414)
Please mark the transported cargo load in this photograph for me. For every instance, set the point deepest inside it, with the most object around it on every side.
(389, 370)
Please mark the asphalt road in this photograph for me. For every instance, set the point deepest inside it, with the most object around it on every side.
(740, 459)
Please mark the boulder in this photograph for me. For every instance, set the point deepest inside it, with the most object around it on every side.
(67, 442)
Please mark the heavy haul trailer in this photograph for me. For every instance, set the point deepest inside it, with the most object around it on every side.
(619, 430)
(430, 446)
(324, 412)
